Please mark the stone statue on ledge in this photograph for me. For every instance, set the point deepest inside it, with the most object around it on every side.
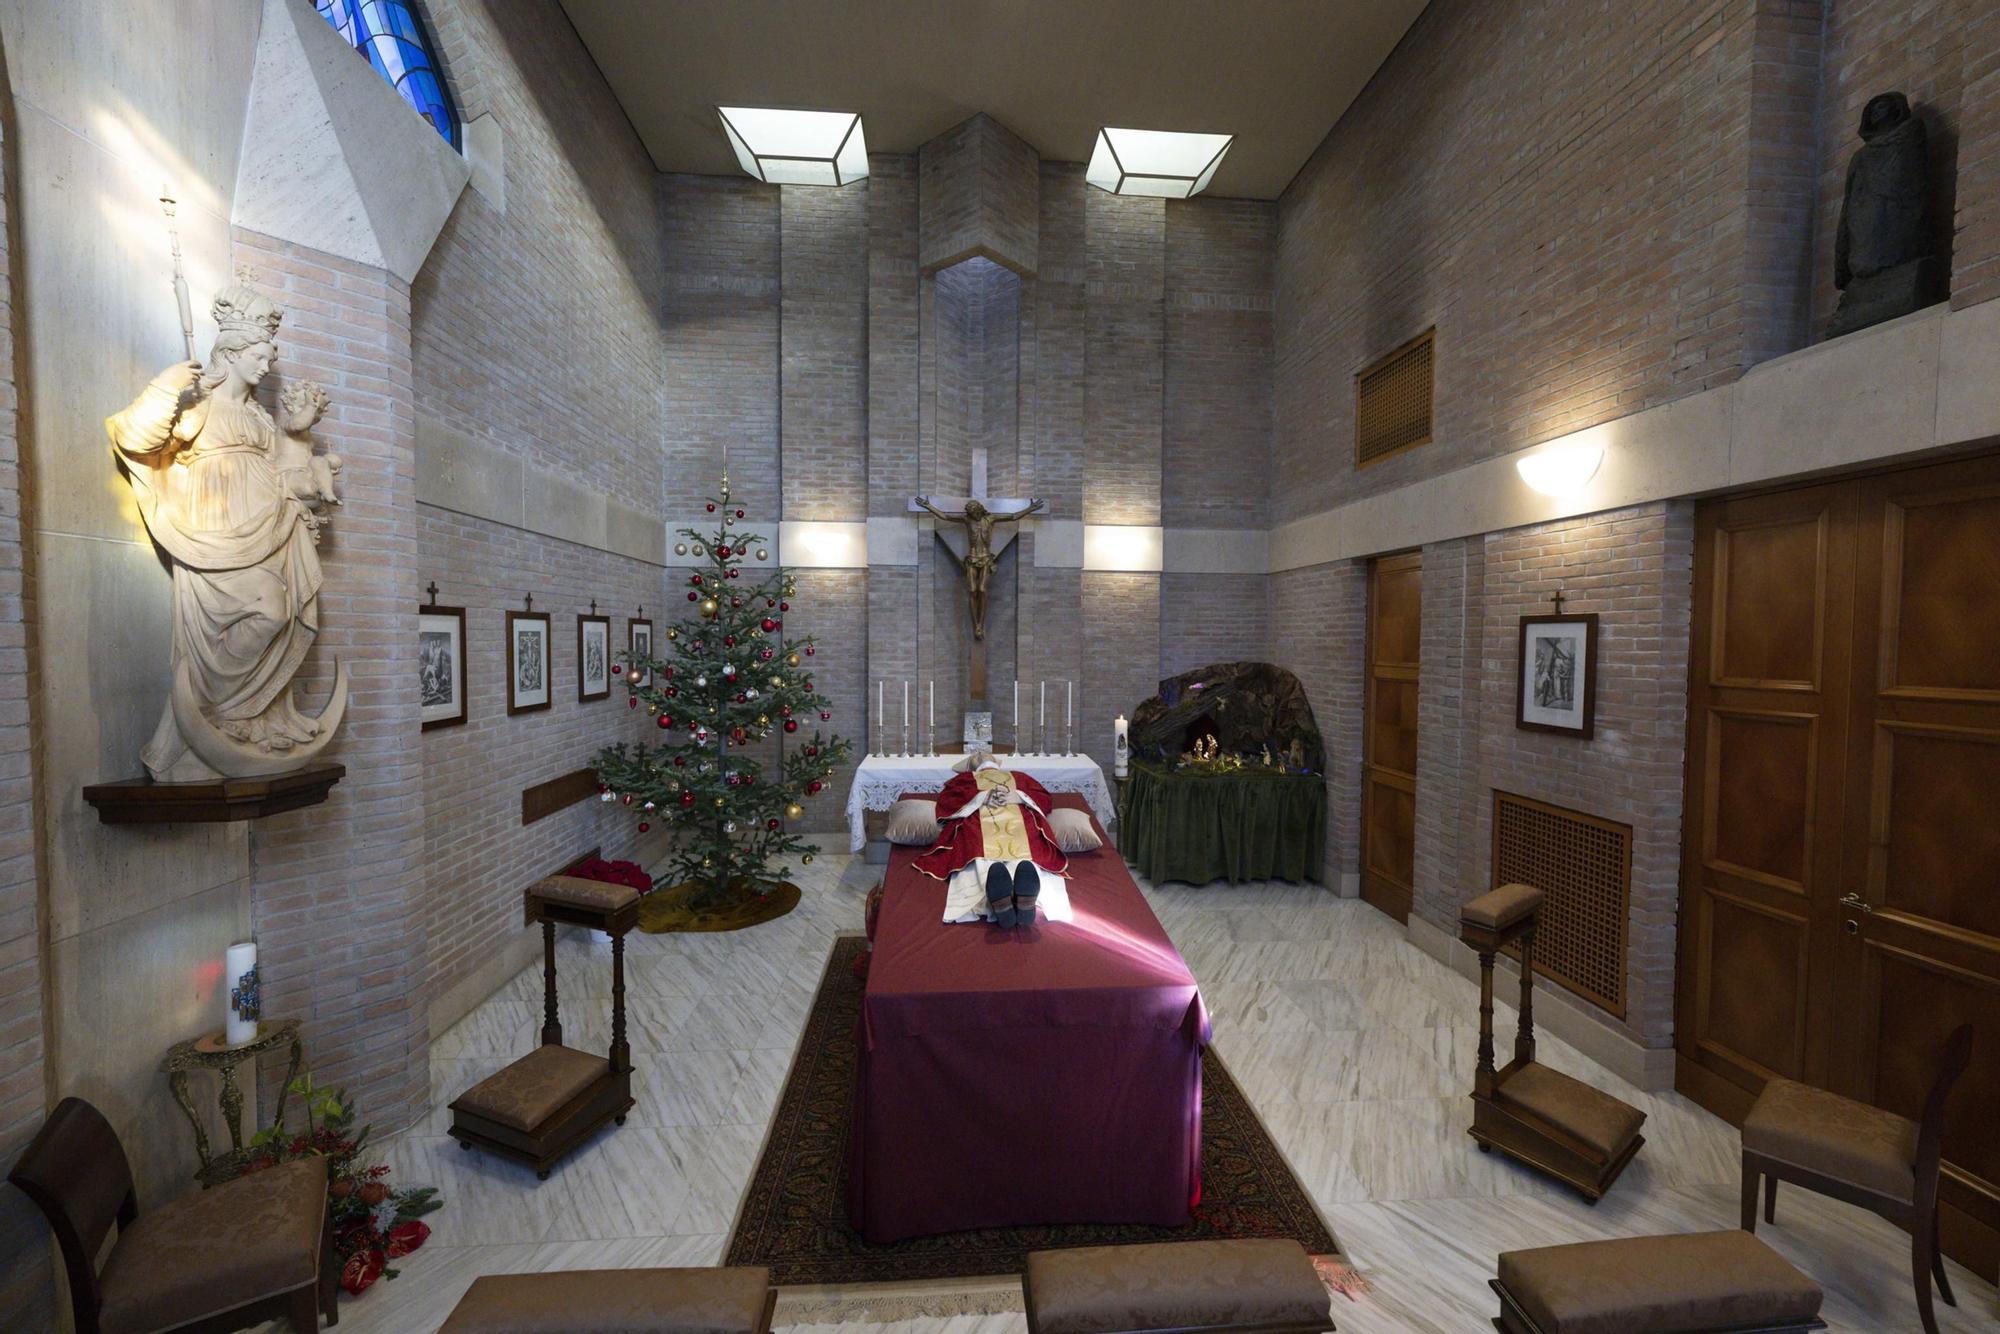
(233, 501)
(1884, 260)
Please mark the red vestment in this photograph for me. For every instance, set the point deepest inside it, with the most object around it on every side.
(964, 840)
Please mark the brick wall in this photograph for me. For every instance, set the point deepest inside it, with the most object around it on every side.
(25, 1273)
(1598, 226)
(537, 328)
(336, 888)
(1317, 632)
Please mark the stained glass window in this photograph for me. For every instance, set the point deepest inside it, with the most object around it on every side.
(392, 35)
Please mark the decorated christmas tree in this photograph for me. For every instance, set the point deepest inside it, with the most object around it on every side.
(729, 679)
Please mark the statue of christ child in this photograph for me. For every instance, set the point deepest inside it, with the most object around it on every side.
(996, 853)
(309, 476)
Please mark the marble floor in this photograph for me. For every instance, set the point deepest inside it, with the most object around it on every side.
(1356, 1049)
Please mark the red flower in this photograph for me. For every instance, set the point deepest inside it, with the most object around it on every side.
(361, 1270)
(406, 1237)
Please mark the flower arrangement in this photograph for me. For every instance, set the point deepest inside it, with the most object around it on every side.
(614, 873)
(373, 1223)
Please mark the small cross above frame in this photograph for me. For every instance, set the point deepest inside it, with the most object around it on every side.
(1557, 598)
(433, 591)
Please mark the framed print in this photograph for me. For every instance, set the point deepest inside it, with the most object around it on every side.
(527, 661)
(639, 648)
(441, 665)
(1556, 689)
(593, 657)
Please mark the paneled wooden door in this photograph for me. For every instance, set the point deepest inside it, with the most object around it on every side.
(1389, 732)
(1841, 884)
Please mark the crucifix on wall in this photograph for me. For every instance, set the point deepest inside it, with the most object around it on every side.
(969, 526)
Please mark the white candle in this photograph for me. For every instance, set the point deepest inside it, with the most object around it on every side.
(931, 725)
(1069, 717)
(241, 958)
(1017, 713)
(881, 718)
(1121, 746)
(906, 717)
(1042, 711)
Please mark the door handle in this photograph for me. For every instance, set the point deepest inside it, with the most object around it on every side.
(1855, 903)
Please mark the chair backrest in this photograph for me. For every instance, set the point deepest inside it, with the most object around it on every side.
(76, 1172)
(1930, 1130)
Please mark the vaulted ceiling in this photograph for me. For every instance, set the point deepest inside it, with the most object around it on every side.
(1276, 74)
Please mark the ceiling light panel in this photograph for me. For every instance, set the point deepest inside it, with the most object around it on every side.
(781, 147)
(1166, 164)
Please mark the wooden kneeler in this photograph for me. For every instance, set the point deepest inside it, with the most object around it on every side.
(1562, 1126)
(556, 1097)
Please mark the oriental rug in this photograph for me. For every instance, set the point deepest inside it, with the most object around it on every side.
(794, 1216)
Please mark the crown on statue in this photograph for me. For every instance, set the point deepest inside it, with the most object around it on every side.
(239, 309)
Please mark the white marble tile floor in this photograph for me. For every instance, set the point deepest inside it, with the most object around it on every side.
(1355, 1047)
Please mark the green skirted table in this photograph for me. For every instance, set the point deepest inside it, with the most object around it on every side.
(1200, 825)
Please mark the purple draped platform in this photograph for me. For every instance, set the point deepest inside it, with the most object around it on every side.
(1013, 1078)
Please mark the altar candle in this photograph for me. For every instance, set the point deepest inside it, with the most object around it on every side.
(241, 958)
(906, 717)
(881, 718)
(1017, 713)
(1121, 746)
(1069, 717)
(932, 724)
(1042, 711)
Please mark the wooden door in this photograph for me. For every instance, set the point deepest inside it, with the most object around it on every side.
(1774, 578)
(1919, 945)
(1389, 732)
(1840, 897)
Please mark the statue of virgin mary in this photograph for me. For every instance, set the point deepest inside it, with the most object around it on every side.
(203, 459)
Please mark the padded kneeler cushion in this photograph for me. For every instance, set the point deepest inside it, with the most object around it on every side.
(616, 1301)
(1659, 1285)
(524, 1095)
(1176, 1285)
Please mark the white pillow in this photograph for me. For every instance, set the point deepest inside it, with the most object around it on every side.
(913, 823)
(1073, 830)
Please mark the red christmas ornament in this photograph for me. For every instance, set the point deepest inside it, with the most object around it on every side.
(643, 826)
(694, 597)
(627, 798)
(811, 751)
(673, 692)
(825, 716)
(736, 602)
(785, 709)
(791, 724)
(738, 735)
(695, 580)
(732, 572)
(809, 650)
(742, 699)
(812, 788)
(722, 552)
(631, 703)
(680, 761)
(770, 602)
(809, 686)
(667, 672)
(784, 606)
(604, 787)
(665, 722)
(769, 625)
(711, 507)
(687, 798)
(616, 670)
(739, 514)
(771, 825)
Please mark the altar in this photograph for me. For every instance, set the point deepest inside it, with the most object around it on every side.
(880, 779)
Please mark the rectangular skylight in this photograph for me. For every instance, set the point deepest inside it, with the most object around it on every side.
(781, 147)
(1167, 164)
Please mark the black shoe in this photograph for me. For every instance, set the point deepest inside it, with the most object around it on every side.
(1000, 894)
(1027, 888)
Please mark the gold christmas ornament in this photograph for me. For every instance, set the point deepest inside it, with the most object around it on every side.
(763, 554)
(806, 860)
(763, 720)
(708, 607)
(794, 811)
(791, 660)
(718, 803)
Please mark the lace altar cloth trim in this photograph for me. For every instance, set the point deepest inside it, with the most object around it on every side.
(880, 779)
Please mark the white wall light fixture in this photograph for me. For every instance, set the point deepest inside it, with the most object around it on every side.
(1561, 470)
(1163, 163)
(782, 147)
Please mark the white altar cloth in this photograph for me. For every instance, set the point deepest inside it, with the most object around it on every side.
(880, 779)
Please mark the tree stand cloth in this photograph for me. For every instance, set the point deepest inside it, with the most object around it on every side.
(554, 1098)
(1538, 1116)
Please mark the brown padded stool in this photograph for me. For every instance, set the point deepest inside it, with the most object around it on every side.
(617, 1301)
(1697, 1283)
(1194, 1287)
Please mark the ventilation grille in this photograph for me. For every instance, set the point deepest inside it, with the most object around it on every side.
(1392, 401)
(1583, 866)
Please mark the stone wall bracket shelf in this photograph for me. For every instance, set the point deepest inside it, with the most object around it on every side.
(143, 801)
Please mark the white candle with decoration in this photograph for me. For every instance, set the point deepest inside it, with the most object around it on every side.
(1121, 746)
(239, 978)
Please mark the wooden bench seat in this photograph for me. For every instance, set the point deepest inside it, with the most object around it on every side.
(1266, 1285)
(1696, 1283)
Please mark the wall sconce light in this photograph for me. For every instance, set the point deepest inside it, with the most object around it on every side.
(782, 147)
(823, 545)
(1133, 548)
(1166, 164)
(1561, 470)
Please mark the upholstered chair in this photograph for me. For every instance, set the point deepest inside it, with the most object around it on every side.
(1861, 1154)
(249, 1250)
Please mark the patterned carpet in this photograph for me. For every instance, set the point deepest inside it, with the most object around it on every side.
(794, 1216)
